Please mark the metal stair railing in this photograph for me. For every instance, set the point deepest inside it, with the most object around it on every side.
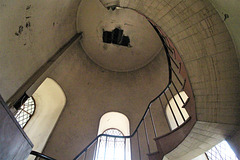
(164, 98)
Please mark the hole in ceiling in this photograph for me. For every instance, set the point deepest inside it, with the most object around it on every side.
(117, 37)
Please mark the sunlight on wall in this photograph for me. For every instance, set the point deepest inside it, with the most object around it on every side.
(221, 151)
(50, 101)
(179, 118)
(201, 157)
(114, 120)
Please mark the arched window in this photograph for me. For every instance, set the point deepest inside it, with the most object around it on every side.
(111, 148)
(25, 112)
(176, 114)
(113, 123)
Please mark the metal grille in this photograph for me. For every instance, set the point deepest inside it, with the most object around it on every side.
(25, 112)
(222, 151)
(110, 148)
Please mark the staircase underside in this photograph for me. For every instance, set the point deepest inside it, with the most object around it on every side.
(202, 137)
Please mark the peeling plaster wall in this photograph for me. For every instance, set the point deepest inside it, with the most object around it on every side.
(92, 91)
(30, 33)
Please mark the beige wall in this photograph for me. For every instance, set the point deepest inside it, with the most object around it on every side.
(50, 101)
(201, 157)
(231, 8)
(210, 58)
(207, 50)
(202, 137)
(31, 32)
(92, 91)
(194, 26)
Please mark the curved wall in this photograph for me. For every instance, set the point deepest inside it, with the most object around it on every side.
(92, 91)
(93, 18)
(229, 12)
(193, 25)
(50, 101)
(114, 120)
(207, 50)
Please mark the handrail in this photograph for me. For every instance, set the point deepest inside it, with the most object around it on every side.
(37, 154)
(148, 107)
(167, 47)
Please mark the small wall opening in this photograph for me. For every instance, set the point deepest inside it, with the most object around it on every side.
(117, 37)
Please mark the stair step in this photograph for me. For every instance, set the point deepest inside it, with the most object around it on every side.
(155, 156)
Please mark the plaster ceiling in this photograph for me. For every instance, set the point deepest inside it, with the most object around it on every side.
(93, 18)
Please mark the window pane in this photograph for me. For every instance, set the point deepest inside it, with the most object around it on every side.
(222, 151)
(25, 112)
(110, 148)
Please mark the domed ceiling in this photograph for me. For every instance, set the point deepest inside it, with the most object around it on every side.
(118, 40)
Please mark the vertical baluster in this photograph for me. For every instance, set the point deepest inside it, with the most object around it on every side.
(177, 104)
(114, 147)
(146, 133)
(85, 155)
(174, 62)
(105, 151)
(171, 109)
(98, 146)
(176, 76)
(153, 124)
(164, 112)
(125, 149)
(95, 150)
(139, 151)
(178, 93)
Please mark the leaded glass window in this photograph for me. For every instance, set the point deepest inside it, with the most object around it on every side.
(222, 151)
(110, 148)
(25, 112)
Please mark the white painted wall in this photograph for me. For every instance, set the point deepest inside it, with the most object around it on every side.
(114, 120)
(50, 101)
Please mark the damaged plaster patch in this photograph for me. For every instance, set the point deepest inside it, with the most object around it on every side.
(28, 7)
(28, 24)
(226, 16)
(20, 30)
(117, 37)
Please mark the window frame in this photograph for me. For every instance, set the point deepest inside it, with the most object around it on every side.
(20, 110)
